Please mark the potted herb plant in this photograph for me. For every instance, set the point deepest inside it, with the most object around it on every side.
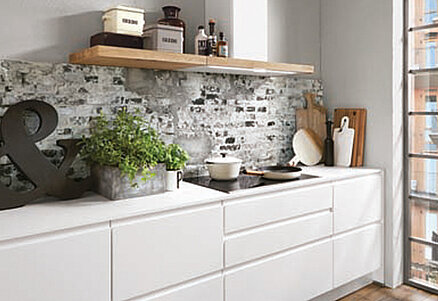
(175, 160)
(124, 155)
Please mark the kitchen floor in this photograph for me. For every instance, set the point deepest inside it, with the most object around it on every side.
(375, 292)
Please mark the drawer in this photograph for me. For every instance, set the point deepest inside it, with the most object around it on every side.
(155, 253)
(274, 238)
(70, 265)
(357, 202)
(210, 289)
(357, 253)
(275, 207)
(299, 275)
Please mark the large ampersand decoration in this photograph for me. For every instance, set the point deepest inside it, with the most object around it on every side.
(20, 148)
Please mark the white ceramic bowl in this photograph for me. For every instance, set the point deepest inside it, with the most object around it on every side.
(224, 168)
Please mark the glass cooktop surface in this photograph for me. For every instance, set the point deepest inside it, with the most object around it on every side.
(242, 182)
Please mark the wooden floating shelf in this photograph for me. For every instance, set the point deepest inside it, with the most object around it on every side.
(148, 59)
(135, 58)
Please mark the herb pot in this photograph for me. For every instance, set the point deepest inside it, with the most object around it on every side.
(173, 178)
(109, 182)
(223, 168)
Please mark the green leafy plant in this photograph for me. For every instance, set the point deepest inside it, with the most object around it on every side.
(176, 157)
(126, 142)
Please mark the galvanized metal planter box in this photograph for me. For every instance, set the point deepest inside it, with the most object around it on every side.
(109, 182)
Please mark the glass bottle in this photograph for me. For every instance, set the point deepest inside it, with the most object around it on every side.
(212, 39)
(329, 145)
(201, 41)
(222, 46)
(171, 17)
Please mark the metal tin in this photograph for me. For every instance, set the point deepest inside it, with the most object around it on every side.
(124, 20)
(163, 38)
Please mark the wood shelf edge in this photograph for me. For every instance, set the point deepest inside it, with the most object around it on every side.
(149, 59)
(252, 64)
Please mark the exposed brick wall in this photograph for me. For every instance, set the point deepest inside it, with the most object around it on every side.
(252, 118)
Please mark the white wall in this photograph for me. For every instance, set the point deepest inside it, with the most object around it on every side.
(294, 32)
(357, 71)
(47, 30)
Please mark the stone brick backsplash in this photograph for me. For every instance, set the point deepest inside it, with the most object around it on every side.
(249, 117)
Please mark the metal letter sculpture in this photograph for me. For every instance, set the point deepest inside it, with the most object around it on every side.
(20, 148)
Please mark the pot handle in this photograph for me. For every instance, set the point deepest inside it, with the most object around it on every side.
(294, 162)
(254, 172)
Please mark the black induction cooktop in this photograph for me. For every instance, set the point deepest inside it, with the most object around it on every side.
(242, 182)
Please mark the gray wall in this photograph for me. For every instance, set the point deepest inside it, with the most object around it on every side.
(47, 31)
(357, 71)
(294, 32)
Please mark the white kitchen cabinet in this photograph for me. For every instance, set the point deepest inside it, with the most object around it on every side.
(153, 253)
(210, 289)
(287, 245)
(73, 265)
(357, 202)
(278, 237)
(301, 274)
(357, 253)
(273, 207)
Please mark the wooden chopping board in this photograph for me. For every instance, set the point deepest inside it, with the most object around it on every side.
(358, 118)
(312, 117)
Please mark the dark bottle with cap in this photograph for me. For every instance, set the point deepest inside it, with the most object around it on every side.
(329, 146)
(212, 39)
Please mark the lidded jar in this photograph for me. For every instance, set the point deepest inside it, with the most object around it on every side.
(171, 17)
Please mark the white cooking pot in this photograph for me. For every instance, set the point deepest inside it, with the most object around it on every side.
(223, 168)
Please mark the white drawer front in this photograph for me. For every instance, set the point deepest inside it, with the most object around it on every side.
(274, 238)
(299, 275)
(274, 207)
(155, 253)
(68, 266)
(357, 253)
(357, 202)
(210, 289)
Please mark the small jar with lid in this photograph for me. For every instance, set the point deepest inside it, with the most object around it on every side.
(171, 17)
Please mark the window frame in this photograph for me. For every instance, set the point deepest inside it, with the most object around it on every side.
(408, 195)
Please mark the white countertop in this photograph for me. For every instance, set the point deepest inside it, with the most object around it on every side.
(94, 209)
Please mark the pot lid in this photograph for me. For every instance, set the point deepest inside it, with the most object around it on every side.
(223, 159)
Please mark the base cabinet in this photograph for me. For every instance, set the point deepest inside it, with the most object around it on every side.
(288, 246)
(301, 274)
(69, 266)
(357, 202)
(357, 253)
(155, 253)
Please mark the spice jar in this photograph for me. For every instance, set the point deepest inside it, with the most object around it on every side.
(171, 17)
